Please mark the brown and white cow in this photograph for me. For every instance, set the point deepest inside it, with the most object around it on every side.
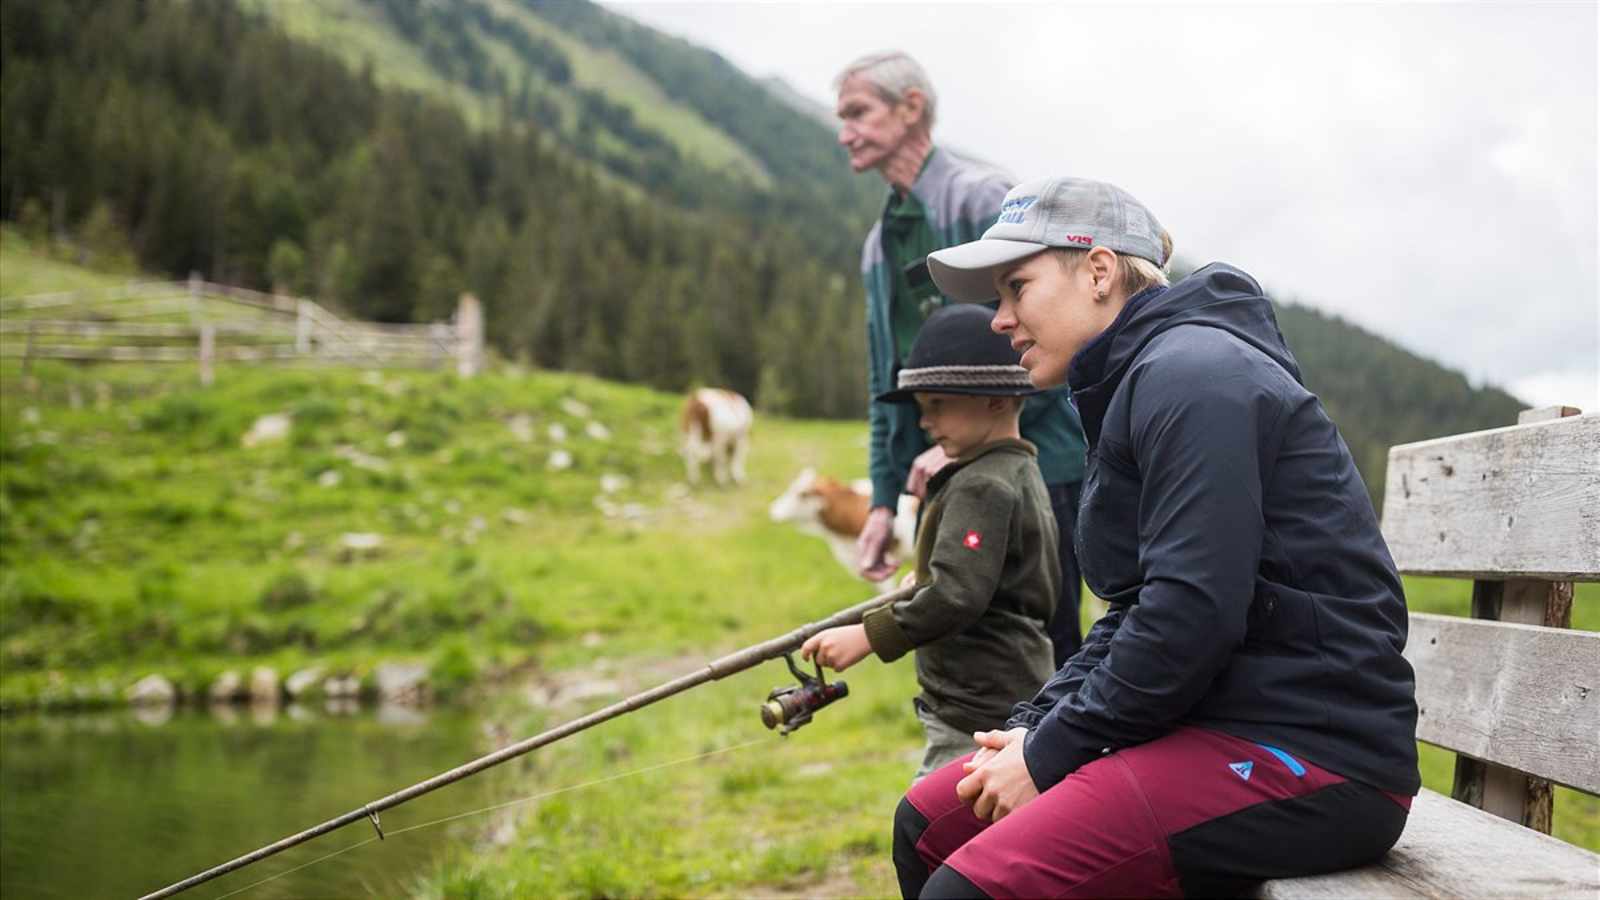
(715, 427)
(836, 512)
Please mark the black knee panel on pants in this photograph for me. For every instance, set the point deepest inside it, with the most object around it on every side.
(947, 884)
(909, 824)
(1304, 835)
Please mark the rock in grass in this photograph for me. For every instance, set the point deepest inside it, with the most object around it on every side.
(521, 426)
(268, 429)
(342, 687)
(402, 682)
(264, 685)
(301, 684)
(227, 688)
(354, 545)
(152, 690)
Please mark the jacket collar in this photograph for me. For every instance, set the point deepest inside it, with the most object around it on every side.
(935, 170)
(1010, 445)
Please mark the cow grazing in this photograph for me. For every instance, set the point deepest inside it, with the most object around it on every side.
(716, 430)
(819, 505)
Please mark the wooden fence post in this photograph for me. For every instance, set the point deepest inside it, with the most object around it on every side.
(469, 336)
(208, 349)
(1505, 792)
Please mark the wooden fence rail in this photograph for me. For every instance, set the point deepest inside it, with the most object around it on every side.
(197, 321)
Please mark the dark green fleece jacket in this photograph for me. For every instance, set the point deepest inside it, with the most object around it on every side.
(989, 575)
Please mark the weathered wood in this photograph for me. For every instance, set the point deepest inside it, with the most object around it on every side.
(1522, 501)
(469, 331)
(208, 352)
(311, 332)
(1451, 850)
(86, 328)
(1521, 696)
(1503, 791)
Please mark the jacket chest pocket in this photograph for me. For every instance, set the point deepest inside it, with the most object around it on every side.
(1281, 620)
(1107, 537)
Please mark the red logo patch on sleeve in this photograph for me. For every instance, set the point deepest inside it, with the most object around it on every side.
(973, 540)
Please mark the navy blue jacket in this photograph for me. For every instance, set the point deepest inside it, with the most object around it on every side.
(1223, 518)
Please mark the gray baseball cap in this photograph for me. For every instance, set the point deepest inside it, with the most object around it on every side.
(1045, 213)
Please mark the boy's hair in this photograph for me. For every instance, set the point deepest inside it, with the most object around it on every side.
(1134, 273)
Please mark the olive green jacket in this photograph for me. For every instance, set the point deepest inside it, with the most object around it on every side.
(989, 576)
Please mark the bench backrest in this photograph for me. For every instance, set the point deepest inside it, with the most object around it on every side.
(1518, 510)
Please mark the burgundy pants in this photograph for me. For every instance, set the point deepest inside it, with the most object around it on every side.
(1195, 812)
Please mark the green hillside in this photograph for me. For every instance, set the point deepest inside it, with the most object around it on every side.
(140, 535)
(611, 193)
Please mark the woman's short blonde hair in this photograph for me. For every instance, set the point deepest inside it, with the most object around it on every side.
(1134, 273)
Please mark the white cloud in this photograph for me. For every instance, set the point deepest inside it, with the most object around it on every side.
(1427, 171)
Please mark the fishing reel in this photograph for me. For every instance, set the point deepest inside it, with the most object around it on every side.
(791, 706)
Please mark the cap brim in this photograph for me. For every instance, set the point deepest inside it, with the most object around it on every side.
(909, 395)
(965, 273)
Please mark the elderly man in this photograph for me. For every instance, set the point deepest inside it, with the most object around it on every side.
(936, 199)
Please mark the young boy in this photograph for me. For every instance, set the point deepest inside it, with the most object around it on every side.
(986, 551)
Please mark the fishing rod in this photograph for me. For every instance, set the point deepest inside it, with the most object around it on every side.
(789, 707)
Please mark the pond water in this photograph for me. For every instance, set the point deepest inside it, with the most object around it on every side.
(123, 803)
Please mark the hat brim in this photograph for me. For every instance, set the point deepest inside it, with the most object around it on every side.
(965, 273)
(909, 395)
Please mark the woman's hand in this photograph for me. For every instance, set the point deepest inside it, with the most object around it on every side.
(838, 648)
(1000, 784)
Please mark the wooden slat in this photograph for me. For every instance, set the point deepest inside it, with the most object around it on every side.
(86, 328)
(1522, 501)
(1521, 696)
(1450, 849)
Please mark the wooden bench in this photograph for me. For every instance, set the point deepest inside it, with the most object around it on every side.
(1513, 691)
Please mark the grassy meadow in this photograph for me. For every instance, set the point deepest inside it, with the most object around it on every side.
(535, 533)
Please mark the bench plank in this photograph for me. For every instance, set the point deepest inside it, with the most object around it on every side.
(1517, 502)
(1522, 696)
(1450, 849)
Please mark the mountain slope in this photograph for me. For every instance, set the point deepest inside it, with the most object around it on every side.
(385, 156)
(653, 111)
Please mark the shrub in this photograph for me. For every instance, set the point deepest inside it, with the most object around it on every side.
(178, 413)
(453, 669)
(289, 590)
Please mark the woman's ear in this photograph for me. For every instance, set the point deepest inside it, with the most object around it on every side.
(1101, 264)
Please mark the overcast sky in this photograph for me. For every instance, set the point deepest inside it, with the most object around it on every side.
(1426, 171)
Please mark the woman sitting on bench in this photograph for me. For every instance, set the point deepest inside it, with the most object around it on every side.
(1242, 711)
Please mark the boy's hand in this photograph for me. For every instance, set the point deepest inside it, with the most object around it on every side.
(838, 648)
(1001, 784)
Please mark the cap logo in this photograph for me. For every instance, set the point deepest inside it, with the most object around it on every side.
(1083, 239)
(1011, 211)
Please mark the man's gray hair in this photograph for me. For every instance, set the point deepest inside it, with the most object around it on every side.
(891, 74)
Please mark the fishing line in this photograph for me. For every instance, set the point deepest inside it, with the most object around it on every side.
(574, 787)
